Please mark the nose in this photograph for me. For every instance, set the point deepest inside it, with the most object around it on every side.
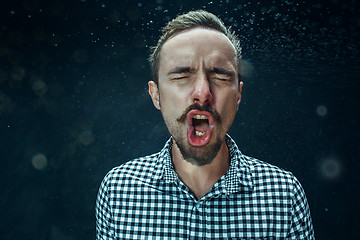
(202, 90)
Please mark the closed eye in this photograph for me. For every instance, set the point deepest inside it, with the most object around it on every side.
(221, 74)
(179, 77)
(221, 77)
(179, 73)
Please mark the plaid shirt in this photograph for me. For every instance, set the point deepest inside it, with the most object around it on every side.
(145, 199)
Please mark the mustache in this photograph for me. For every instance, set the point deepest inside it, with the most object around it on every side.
(196, 106)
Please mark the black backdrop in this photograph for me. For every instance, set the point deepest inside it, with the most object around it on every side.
(74, 103)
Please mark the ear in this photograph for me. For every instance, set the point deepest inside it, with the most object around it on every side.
(154, 94)
(239, 93)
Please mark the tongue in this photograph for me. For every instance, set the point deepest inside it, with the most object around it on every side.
(201, 125)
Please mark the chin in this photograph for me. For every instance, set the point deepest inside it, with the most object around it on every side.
(199, 156)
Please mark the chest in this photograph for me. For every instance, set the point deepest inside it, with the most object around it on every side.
(158, 214)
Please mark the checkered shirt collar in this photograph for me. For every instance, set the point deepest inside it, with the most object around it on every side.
(237, 177)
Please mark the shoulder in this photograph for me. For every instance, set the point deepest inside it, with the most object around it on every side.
(262, 168)
(261, 175)
(140, 169)
(270, 176)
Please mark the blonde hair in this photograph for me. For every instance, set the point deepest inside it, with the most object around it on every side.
(192, 19)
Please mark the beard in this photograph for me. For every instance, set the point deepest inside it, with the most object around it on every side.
(198, 156)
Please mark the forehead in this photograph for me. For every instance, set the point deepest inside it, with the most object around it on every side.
(198, 44)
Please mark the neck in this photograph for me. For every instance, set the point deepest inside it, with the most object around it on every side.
(200, 179)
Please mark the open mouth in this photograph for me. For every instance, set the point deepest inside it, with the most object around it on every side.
(200, 126)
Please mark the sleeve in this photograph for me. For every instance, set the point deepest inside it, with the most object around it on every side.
(301, 223)
(104, 220)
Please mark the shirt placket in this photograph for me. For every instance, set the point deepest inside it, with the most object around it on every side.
(196, 214)
(208, 219)
(198, 221)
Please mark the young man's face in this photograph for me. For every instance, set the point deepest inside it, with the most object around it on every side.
(198, 91)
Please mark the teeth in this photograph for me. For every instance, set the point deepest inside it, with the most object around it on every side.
(197, 133)
(200, 117)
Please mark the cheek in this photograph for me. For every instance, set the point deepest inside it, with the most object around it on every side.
(173, 95)
(170, 104)
(229, 104)
(228, 95)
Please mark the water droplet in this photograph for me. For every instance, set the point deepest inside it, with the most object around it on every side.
(330, 168)
(321, 111)
(39, 161)
(86, 137)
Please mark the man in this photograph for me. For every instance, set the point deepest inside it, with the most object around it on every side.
(199, 186)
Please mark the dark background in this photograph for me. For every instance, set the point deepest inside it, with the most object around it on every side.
(74, 103)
